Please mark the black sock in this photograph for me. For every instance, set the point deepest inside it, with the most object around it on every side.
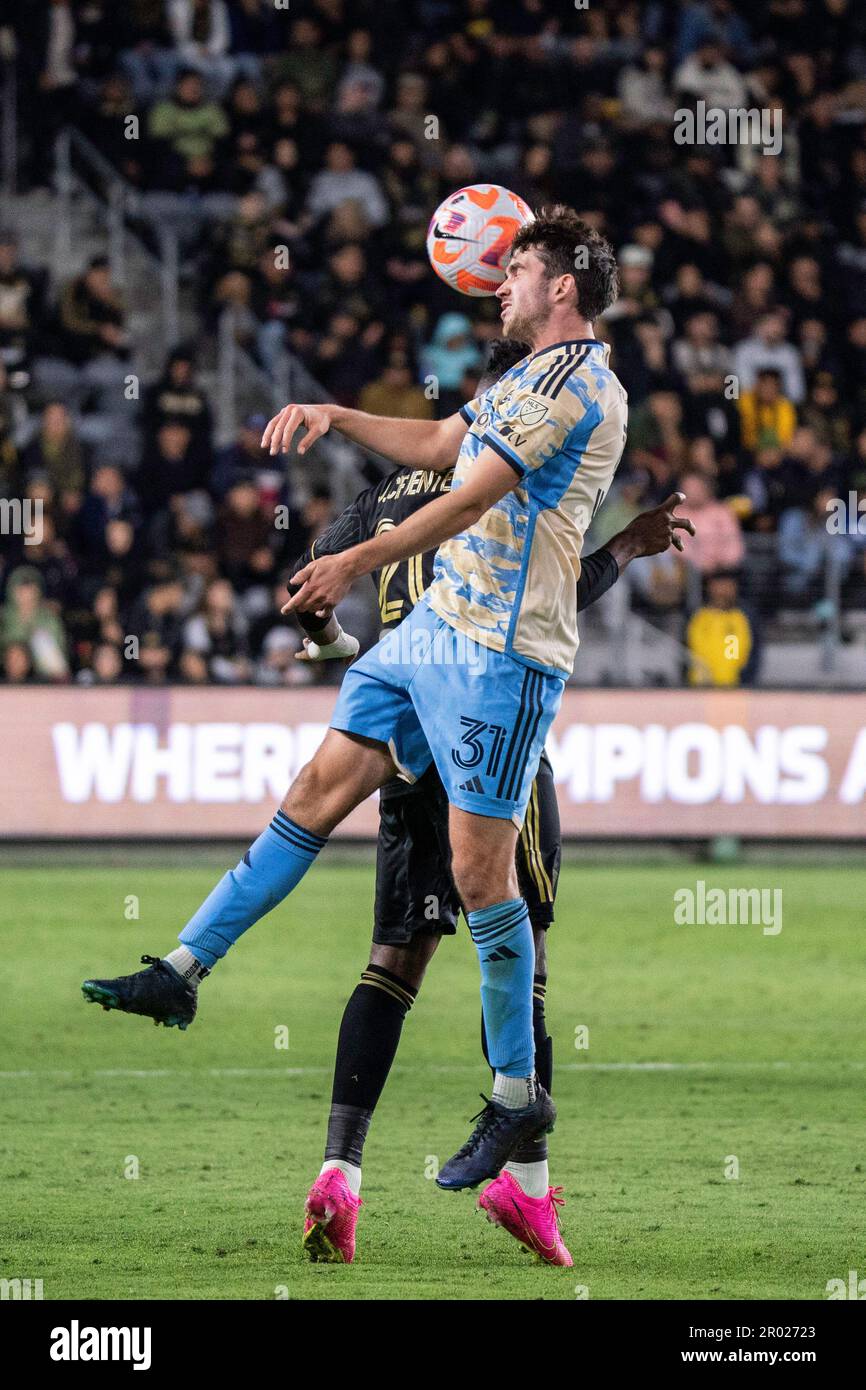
(535, 1150)
(369, 1035)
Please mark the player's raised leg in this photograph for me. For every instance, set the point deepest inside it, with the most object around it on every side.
(344, 771)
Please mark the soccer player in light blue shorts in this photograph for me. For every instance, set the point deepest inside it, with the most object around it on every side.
(473, 677)
(433, 694)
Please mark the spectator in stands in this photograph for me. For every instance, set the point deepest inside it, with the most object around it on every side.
(766, 416)
(276, 301)
(31, 625)
(360, 71)
(105, 667)
(178, 396)
(214, 639)
(106, 122)
(637, 295)
(291, 119)
(188, 127)
(308, 63)
(722, 637)
(854, 367)
(245, 537)
(718, 543)
(201, 35)
(156, 621)
(171, 468)
(395, 392)
(451, 352)
(93, 626)
(147, 57)
(768, 348)
(256, 30)
(656, 439)
(242, 458)
(811, 557)
(643, 89)
(341, 181)
(809, 466)
(57, 455)
(92, 316)
(109, 498)
(825, 413)
(117, 567)
(699, 356)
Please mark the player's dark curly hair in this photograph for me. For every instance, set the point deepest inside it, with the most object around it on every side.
(569, 246)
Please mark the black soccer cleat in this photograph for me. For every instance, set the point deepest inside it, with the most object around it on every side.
(158, 993)
(494, 1139)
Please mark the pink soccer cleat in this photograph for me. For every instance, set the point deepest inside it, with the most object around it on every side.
(534, 1221)
(331, 1217)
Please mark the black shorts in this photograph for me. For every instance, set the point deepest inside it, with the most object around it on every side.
(414, 889)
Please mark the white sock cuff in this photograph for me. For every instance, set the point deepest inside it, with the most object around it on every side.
(350, 1172)
(186, 965)
(534, 1178)
(514, 1092)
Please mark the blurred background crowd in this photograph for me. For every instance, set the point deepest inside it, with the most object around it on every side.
(209, 204)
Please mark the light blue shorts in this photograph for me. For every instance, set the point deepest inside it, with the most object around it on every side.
(434, 695)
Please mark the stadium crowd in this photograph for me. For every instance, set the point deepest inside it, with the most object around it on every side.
(332, 128)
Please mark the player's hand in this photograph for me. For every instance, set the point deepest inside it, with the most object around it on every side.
(315, 420)
(322, 584)
(656, 530)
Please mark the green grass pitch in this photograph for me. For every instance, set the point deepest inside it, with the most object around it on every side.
(764, 1037)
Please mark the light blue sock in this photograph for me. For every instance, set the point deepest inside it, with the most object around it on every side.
(272, 866)
(506, 950)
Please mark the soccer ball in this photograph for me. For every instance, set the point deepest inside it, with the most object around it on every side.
(470, 234)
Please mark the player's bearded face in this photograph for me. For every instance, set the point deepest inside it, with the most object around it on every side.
(525, 298)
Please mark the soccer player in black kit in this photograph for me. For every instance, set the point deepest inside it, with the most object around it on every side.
(416, 902)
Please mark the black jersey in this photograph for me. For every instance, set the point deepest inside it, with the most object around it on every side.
(400, 585)
(380, 508)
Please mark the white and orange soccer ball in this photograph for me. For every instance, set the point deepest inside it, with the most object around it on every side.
(470, 234)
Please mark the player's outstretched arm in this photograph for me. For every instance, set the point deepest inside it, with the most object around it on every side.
(431, 444)
(649, 534)
(324, 582)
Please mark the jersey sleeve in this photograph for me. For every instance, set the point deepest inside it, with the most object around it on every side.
(469, 411)
(598, 572)
(534, 424)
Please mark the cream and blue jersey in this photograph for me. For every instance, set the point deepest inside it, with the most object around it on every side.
(558, 417)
